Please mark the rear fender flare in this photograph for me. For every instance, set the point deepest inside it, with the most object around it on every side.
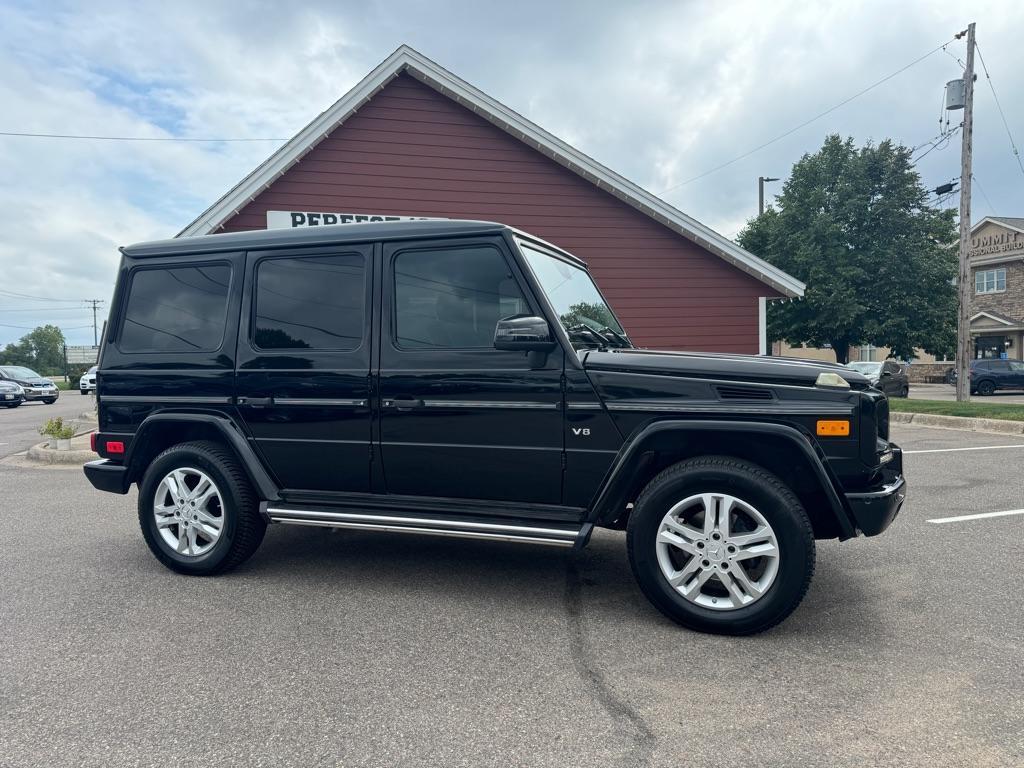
(265, 487)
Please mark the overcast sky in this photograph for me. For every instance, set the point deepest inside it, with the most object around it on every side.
(659, 91)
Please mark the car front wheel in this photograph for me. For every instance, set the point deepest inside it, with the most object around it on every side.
(721, 545)
(197, 509)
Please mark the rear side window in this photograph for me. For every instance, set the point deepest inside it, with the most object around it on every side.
(312, 302)
(176, 309)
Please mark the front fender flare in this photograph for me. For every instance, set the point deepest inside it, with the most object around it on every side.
(612, 496)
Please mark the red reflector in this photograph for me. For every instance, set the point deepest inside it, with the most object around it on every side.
(115, 446)
(92, 442)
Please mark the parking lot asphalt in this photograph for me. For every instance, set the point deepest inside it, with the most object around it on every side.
(19, 427)
(362, 649)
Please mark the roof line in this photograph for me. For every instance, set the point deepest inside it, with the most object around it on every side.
(997, 221)
(406, 59)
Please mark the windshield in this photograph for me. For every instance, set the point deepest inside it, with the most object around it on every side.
(17, 372)
(582, 311)
(868, 368)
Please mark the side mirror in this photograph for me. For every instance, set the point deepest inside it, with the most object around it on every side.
(523, 333)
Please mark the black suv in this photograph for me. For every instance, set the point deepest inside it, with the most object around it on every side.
(465, 379)
(987, 376)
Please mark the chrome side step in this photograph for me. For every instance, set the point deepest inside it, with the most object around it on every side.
(555, 534)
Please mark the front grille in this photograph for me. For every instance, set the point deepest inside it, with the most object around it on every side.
(882, 418)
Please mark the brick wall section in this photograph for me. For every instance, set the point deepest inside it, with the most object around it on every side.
(412, 151)
(1011, 302)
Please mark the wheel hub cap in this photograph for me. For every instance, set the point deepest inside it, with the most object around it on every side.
(189, 511)
(717, 551)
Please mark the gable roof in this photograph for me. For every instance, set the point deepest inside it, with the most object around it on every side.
(407, 60)
(1011, 222)
(998, 317)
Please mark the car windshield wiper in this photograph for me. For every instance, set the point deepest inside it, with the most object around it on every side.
(622, 340)
(585, 331)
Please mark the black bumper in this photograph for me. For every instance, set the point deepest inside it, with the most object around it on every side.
(875, 509)
(105, 475)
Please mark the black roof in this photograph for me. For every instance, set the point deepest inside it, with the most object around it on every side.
(263, 239)
(322, 235)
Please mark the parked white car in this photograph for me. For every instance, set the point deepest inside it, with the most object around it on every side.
(87, 383)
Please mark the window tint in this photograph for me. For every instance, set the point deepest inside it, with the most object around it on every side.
(312, 302)
(180, 309)
(453, 298)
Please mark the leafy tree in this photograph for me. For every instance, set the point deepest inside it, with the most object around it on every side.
(595, 313)
(41, 349)
(879, 261)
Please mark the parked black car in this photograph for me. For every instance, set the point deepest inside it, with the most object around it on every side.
(466, 379)
(987, 376)
(888, 376)
(34, 386)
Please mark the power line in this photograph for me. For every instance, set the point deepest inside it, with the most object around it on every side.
(26, 134)
(41, 309)
(991, 208)
(29, 328)
(940, 144)
(999, 106)
(34, 298)
(804, 124)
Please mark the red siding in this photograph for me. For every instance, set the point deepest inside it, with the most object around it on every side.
(412, 151)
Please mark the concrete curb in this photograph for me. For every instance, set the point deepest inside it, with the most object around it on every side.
(41, 454)
(963, 423)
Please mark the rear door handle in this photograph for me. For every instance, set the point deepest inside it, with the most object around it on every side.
(403, 404)
(256, 402)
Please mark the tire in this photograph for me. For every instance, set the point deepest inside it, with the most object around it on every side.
(905, 392)
(83, 391)
(12, 405)
(785, 581)
(241, 526)
(50, 400)
(986, 388)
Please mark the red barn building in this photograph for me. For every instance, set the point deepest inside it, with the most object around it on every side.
(412, 139)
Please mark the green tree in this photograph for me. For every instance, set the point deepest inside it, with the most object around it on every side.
(879, 262)
(41, 349)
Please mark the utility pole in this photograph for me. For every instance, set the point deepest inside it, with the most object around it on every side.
(95, 335)
(963, 324)
(760, 192)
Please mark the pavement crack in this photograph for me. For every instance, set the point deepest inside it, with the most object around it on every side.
(594, 680)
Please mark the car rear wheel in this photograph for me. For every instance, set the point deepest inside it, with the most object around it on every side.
(197, 510)
(986, 388)
(905, 392)
(721, 545)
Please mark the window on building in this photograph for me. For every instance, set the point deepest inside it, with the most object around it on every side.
(313, 302)
(180, 309)
(453, 298)
(990, 280)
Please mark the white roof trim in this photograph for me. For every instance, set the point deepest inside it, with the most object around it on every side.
(991, 317)
(990, 220)
(405, 59)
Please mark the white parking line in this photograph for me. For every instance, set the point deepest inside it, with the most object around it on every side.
(961, 518)
(972, 448)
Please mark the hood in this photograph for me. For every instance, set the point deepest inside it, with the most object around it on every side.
(710, 365)
(32, 382)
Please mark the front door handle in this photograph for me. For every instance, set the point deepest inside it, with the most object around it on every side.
(256, 402)
(403, 404)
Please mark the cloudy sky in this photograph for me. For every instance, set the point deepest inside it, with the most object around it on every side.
(662, 92)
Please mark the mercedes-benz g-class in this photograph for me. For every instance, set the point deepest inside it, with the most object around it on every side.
(466, 379)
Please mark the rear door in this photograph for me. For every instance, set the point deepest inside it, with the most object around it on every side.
(303, 376)
(1016, 374)
(459, 418)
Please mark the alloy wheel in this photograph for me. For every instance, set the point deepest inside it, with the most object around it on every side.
(189, 511)
(717, 551)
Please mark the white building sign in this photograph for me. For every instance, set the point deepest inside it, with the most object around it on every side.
(82, 355)
(292, 219)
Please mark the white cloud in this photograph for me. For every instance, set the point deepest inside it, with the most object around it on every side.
(659, 91)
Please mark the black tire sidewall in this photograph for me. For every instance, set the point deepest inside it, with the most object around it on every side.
(791, 527)
(986, 388)
(178, 458)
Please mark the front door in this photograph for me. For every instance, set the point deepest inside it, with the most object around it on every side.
(459, 418)
(303, 376)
